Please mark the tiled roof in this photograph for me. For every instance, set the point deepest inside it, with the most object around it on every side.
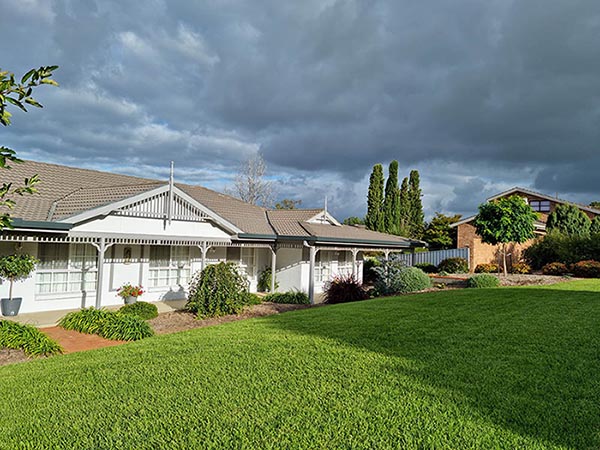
(287, 221)
(351, 233)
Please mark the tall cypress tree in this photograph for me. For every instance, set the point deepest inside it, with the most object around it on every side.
(416, 216)
(404, 209)
(391, 202)
(374, 218)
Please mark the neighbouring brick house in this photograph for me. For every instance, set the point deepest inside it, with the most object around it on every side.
(485, 253)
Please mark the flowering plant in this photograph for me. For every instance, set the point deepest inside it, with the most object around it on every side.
(127, 290)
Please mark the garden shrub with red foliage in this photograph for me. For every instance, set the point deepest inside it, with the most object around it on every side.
(486, 268)
(344, 289)
(555, 268)
(521, 268)
(586, 269)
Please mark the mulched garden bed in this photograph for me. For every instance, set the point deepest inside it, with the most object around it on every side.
(172, 322)
(10, 356)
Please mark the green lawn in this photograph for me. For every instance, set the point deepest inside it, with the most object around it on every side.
(498, 368)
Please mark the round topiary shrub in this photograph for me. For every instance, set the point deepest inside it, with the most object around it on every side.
(454, 265)
(555, 268)
(486, 268)
(410, 279)
(483, 280)
(143, 310)
(427, 267)
(520, 268)
(217, 291)
(586, 269)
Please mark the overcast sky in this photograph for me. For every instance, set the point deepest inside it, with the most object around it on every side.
(479, 96)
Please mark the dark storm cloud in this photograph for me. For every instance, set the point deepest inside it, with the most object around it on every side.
(479, 96)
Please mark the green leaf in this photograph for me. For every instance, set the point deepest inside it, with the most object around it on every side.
(33, 102)
(27, 76)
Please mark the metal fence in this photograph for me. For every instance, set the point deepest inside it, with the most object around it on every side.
(434, 257)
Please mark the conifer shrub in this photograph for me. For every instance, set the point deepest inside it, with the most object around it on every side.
(218, 290)
(555, 268)
(345, 288)
(486, 268)
(454, 265)
(143, 310)
(290, 297)
(483, 280)
(410, 279)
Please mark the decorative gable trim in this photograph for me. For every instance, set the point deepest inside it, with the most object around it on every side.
(324, 217)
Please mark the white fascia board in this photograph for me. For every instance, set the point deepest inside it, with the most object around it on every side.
(327, 216)
(460, 222)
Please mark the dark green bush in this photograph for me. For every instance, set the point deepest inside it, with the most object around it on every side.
(290, 297)
(370, 275)
(586, 269)
(217, 291)
(427, 267)
(264, 281)
(28, 338)
(555, 268)
(520, 268)
(252, 299)
(345, 288)
(125, 327)
(410, 279)
(143, 310)
(557, 247)
(486, 268)
(87, 320)
(483, 280)
(454, 265)
(386, 273)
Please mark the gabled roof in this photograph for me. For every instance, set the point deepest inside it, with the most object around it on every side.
(517, 189)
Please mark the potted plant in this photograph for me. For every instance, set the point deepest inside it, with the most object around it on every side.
(129, 293)
(14, 268)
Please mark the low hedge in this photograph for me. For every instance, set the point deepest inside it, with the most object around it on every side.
(555, 268)
(454, 265)
(483, 280)
(28, 338)
(110, 325)
(427, 267)
(290, 297)
(586, 269)
(143, 310)
(486, 268)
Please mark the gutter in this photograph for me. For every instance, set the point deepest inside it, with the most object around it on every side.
(332, 240)
(38, 225)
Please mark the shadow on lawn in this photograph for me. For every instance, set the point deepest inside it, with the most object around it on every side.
(527, 359)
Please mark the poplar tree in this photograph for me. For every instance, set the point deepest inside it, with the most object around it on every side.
(391, 202)
(404, 209)
(416, 218)
(374, 218)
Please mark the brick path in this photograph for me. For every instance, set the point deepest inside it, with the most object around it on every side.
(73, 341)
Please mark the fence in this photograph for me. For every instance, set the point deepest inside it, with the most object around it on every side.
(434, 257)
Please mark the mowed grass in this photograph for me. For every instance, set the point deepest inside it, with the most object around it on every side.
(497, 368)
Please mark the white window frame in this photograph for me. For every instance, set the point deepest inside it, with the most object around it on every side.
(75, 275)
(176, 272)
(323, 266)
(247, 263)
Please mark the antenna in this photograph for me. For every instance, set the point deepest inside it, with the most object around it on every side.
(170, 206)
(324, 219)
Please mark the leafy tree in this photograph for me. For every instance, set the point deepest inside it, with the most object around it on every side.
(18, 94)
(595, 227)
(374, 219)
(391, 201)
(416, 218)
(287, 203)
(595, 205)
(570, 220)
(506, 220)
(250, 183)
(438, 233)
(353, 220)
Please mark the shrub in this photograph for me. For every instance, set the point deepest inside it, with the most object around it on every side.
(16, 267)
(345, 288)
(454, 265)
(369, 274)
(290, 297)
(264, 281)
(557, 247)
(252, 299)
(486, 268)
(217, 291)
(427, 267)
(555, 268)
(410, 279)
(483, 280)
(27, 338)
(521, 268)
(125, 327)
(143, 310)
(87, 320)
(586, 269)
(386, 272)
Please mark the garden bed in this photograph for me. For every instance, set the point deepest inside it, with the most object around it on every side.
(172, 322)
(10, 356)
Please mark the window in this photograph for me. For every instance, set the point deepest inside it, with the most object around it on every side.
(169, 266)
(248, 261)
(540, 205)
(65, 268)
(323, 266)
(345, 263)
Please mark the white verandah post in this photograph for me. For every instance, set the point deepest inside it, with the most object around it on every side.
(354, 253)
(203, 249)
(311, 271)
(273, 267)
(101, 247)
